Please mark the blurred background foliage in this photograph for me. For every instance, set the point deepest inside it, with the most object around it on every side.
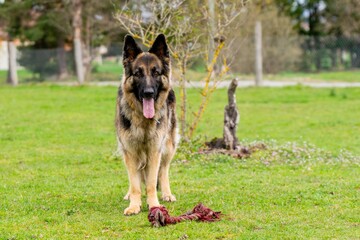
(303, 36)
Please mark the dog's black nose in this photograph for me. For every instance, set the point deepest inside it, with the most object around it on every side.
(149, 92)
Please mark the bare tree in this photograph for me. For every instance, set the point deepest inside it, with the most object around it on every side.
(89, 22)
(224, 22)
(224, 46)
(280, 46)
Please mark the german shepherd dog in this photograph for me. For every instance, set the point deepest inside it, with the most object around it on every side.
(146, 121)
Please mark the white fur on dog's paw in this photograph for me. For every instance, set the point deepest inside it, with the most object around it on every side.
(131, 210)
(168, 198)
(127, 197)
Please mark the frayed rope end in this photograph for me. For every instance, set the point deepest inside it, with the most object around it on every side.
(159, 216)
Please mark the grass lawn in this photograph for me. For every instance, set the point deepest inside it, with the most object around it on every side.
(328, 118)
(108, 71)
(335, 76)
(331, 76)
(23, 74)
(60, 179)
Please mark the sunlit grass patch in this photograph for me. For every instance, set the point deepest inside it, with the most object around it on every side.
(61, 179)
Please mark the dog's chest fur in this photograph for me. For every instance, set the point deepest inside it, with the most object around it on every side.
(137, 134)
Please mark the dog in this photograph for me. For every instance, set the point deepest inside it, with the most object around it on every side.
(146, 121)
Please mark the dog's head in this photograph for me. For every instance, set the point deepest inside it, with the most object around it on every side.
(147, 74)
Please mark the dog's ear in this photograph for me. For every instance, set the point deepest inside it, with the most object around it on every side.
(131, 50)
(160, 48)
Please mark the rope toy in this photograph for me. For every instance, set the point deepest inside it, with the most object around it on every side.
(159, 216)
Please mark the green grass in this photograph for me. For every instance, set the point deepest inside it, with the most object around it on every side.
(335, 76)
(331, 76)
(109, 67)
(328, 118)
(59, 178)
(199, 74)
(23, 75)
(108, 71)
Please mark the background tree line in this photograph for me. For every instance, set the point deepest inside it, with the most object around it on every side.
(44, 25)
(298, 34)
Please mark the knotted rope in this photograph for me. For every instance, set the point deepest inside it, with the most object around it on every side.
(159, 216)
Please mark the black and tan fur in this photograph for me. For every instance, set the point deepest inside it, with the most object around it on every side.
(147, 144)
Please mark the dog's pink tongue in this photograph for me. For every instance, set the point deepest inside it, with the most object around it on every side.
(148, 108)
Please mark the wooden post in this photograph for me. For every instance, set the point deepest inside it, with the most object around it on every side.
(12, 74)
(77, 25)
(231, 118)
(258, 54)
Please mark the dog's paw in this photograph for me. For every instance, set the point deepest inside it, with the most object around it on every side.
(168, 198)
(127, 197)
(131, 210)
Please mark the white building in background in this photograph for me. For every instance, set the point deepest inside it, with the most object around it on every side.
(4, 57)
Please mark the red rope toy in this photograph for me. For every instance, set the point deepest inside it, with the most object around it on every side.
(159, 216)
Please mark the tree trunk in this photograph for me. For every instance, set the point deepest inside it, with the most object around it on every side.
(231, 118)
(87, 55)
(12, 77)
(61, 56)
(77, 25)
(258, 55)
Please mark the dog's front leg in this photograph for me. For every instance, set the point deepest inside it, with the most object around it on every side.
(152, 170)
(135, 185)
(164, 175)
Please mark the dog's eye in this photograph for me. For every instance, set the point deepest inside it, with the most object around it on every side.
(156, 73)
(138, 73)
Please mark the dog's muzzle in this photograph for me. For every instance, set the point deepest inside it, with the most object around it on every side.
(149, 92)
